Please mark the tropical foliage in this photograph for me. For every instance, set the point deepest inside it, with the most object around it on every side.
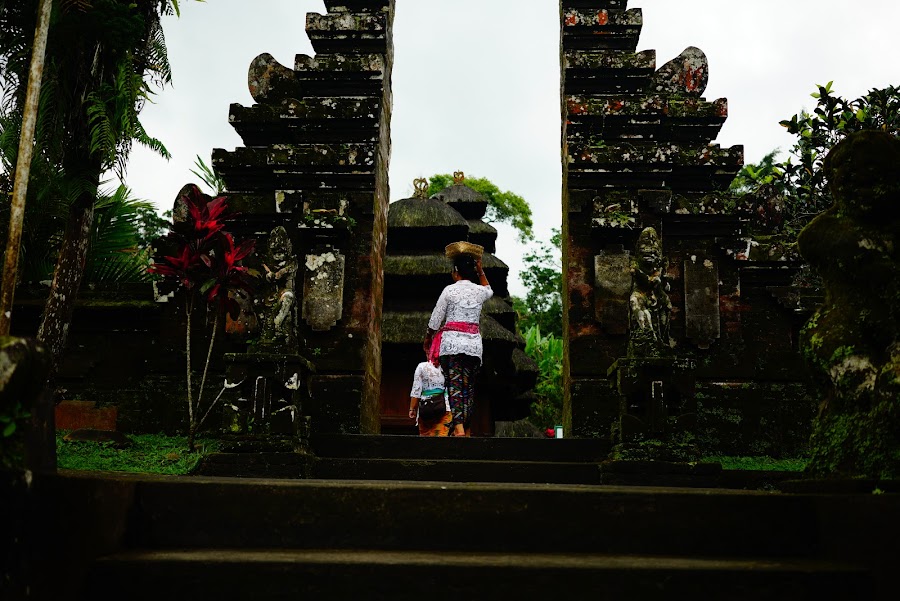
(547, 352)
(205, 264)
(542, 277)
(753, 175)
(802, 175)
(503, 206)
(209, 176)
(104, 57)
(13, 417)
(123, 229)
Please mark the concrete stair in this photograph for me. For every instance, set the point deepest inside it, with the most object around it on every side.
(342, 574)
(224, 538)
(524, 460)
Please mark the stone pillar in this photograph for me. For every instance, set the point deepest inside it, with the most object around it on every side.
(636, 153)
(315, 160)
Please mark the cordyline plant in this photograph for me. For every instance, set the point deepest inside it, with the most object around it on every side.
(206, 264)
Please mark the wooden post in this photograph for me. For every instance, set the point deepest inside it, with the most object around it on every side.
(23, 166)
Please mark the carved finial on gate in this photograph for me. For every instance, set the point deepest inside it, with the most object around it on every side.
(421, 187)
(459, 177)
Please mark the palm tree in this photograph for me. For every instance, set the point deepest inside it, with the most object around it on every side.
(103, 59)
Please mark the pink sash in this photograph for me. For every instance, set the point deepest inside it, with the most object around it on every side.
(450, 326)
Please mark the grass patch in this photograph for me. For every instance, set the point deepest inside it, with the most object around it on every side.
(150, 454)
(761, 463)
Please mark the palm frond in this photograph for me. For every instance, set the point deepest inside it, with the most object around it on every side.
(209, 176)
(114, 255)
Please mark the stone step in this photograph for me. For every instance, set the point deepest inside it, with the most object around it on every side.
(205, 512)
(256, 465)
(443, 470)
(437, 469)
(221, 574)
(486, 449)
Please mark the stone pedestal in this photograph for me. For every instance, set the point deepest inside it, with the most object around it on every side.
(267, 391)
(657, 412)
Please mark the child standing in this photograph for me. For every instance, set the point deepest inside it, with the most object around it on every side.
(428, 401)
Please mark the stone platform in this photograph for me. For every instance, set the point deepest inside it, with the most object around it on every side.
(511, 460)
(143, 537)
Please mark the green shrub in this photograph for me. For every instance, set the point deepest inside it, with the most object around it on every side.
(547, 352)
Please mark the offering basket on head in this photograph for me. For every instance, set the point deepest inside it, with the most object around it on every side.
(454, 249)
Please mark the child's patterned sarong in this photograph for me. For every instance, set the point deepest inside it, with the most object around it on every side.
(460, 372)
(440, 427)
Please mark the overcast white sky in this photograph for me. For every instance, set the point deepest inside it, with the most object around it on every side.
(476, 82)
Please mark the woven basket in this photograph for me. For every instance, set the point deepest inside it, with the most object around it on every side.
(455, 249)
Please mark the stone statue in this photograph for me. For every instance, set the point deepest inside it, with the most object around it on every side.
(853, 340)
(278, 301)
(649, 304)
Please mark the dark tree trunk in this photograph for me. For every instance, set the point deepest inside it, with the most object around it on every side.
(57, 317)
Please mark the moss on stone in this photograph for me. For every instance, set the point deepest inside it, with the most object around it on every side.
(417, 265)
(409, 328)
(423, 213)
(460, 194)
(853, 341)
(431, 264)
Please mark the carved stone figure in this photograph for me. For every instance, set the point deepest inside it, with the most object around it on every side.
(853, 340)
(649, 304)
(278, 299)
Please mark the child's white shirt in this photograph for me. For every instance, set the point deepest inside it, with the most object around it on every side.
(428, 377)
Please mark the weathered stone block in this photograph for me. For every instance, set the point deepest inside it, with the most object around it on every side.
(308, 121)
(686, 74)
(701, 301)
(348, 167)
(334, 6)
(349, 31)
(323, 289)
(650, 165)
(336, 403)
(601, 28)
(612, 285)
(595, 407)
(74, 415)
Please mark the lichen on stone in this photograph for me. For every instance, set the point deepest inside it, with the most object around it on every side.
(853, 341)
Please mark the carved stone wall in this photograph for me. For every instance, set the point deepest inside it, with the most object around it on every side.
(315, 160)
(637, 153)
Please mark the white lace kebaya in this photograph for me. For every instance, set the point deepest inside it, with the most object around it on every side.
(460, 302)
(428, 378)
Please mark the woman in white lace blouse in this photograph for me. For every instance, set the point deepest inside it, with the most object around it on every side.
(454, 336)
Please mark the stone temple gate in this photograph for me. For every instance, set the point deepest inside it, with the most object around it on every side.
(637, 153)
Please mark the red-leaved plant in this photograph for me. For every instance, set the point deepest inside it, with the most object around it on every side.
(206, 263)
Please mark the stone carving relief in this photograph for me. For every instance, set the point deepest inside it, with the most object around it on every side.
(278, 299)
(649, 305)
